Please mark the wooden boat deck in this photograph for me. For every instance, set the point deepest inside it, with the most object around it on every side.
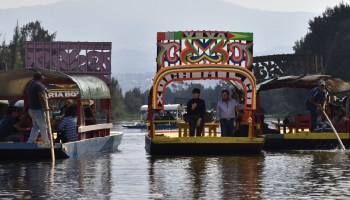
(178, 142)
(305, 141)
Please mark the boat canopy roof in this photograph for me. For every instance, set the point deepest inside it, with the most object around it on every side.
(166, 107)
(14, 82)
(334, 85)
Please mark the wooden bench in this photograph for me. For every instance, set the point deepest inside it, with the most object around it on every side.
(185, 126)
(301, 122)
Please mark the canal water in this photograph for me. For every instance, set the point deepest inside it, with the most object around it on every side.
(132, 174)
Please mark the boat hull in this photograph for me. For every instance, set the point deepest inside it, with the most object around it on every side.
(20, 150)
(66, 150)
(203, 145)
(305, 141)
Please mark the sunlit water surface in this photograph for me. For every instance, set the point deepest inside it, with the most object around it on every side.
(131, 173)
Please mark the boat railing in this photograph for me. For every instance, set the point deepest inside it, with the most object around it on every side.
(210, 129)
(91, 131)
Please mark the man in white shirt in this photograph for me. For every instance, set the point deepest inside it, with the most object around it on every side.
(226, 113)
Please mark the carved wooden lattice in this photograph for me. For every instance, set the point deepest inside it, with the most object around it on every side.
(204, 55)
(91, 58)
(268, 67)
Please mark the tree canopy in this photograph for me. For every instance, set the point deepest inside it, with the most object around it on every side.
(14, 53)
(329, 36)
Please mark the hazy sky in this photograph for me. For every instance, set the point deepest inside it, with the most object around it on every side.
(316, 6)
(131, 25)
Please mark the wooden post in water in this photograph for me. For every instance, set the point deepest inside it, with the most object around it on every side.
(335, 131)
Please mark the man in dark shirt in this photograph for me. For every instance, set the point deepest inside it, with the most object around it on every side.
(316, 100)
(37, 107)
(8, 130)
(196, 112)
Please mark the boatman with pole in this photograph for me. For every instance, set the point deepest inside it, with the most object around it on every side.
(316, 101)
(36, 93)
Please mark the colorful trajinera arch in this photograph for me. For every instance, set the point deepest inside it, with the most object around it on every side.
(203, 55)
(204, 72)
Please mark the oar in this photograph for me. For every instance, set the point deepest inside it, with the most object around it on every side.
(335, 131)
(49, 130)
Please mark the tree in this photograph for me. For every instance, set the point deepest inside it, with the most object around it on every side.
(14, 47)
(33, 31)
(118, 108)
(329, 36)
(4, 52)
(133, 101)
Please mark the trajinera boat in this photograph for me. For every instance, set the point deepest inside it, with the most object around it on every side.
(202, 55)
(295, 134)
(167, 118)
(92, 139)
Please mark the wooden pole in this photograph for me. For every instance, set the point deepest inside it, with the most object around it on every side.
(49, 131)
(335, 131)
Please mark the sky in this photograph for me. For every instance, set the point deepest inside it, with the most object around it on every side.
(316, 6)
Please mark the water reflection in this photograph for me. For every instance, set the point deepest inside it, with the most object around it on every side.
(310, 174)
(132, 174)
(206, 177)
(71, 178)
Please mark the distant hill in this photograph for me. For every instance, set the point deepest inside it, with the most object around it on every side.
(132, 25)
(129, 81)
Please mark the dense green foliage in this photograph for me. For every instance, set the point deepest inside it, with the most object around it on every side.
(329, 36)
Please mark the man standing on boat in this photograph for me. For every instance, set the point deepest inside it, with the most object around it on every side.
(196, 113)
(36, 93)
(316, 100)
(226, 113)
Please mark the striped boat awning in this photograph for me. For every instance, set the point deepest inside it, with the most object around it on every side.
(14, 82)
(334, 85)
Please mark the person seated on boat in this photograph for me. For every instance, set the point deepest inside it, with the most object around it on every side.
(3, 108)
(8, 126)
(316, 101)
(89, 116)
(226, 113)
(196, 111)
(156, 115)
(265, 126)
(144, 116)
(169, 116)
(68, 125)
(337, 117)
(25, 121)
(67, 102)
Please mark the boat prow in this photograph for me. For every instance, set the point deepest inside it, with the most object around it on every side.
(22, 150)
